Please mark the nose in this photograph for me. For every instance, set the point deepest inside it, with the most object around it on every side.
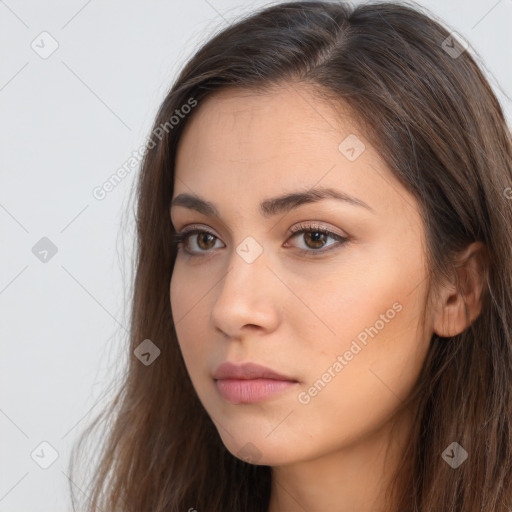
(248, 298)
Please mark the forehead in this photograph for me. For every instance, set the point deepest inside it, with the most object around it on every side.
(248, 146)
(281, 124)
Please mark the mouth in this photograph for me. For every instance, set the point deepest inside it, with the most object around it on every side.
(250, 383)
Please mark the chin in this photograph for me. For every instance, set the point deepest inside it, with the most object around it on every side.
(258, 450)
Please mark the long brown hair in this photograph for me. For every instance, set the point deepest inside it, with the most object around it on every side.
(427, 108)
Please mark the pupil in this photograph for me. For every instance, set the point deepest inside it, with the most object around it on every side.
(201, 239)
(317, 238)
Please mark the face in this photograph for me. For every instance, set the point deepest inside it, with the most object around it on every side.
(334, 306)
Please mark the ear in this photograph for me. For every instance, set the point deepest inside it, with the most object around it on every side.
(460, 301)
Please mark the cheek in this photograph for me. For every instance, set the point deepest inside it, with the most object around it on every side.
(187, 293)
(187, 308)
(375, 317)
(375, 298)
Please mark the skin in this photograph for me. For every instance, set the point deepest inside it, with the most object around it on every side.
(297, 313)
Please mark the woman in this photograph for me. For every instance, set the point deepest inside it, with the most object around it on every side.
(322, 299)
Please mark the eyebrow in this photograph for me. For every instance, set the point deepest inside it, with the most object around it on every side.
(272, 206)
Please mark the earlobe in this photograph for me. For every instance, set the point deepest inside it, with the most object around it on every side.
(460, 302)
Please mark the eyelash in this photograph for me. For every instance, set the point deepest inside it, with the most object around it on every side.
(177, 239)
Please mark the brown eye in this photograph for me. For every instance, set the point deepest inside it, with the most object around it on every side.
(205, 240)
(315, 238)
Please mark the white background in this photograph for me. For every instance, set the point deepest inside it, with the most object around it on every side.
(68, 123)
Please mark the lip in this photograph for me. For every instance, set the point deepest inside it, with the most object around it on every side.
(249, 382)
(245, 371)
